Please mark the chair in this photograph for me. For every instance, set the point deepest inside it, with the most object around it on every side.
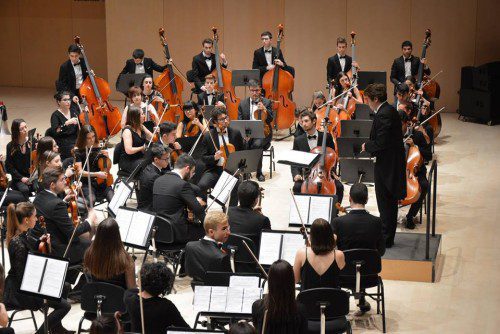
(270, 154)
(172, 252)
(243, 261)
(333, 303)
(16, 310)
(361, 271)
(100, 298)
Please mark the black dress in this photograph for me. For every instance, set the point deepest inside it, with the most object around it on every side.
(292, 325)
(17, 164)
(99, 191)
(311, 280)
(128, 162)
(64, 135)
(118, 280)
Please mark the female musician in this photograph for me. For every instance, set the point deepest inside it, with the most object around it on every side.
(134, 137)
(318, 99)
(46, 143)
(193, 122)
(149, 92)
(50, 159)
(18, 157)
(64, 124)
(87, 139)
(135, 95)
(343, 83)
(20, 219)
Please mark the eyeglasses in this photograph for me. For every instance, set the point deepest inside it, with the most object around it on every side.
(255, 90)
(222, 119)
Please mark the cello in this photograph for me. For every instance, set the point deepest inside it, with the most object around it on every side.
(333, 121)
(278, 86)
(414, 161)
(102, 115)
(223, 83)
(170, 86)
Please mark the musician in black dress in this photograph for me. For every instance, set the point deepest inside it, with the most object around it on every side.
(210, 97)
(340, 62)
(192, 118)
(204, 63)
(267, 57)
(406, 65)
(149, 92)
(64, 125)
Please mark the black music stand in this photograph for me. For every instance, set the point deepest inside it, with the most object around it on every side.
(127, 80)
(356, 128)
(207, 112)
(241, 78)
(366, 78)
(349, 147)
(249, 128)
(246, 161)
(351, 170)
(363, 112)
(187, 143)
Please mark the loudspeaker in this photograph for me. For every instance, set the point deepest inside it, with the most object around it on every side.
(466, 77)
(485, 77)
(478, 104)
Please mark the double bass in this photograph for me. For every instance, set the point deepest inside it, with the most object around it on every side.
(102, 115)
(223, 83)
(278, 86)
(170, 86)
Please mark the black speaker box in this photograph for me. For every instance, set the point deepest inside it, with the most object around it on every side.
(479, 105)
(466, 77)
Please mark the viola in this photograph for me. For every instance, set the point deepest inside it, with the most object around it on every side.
(223, 82)
(170, 86)
(104, 164)
(278, 86)
(225, 149)
(102, 115)
(44, 246)
(261, 114)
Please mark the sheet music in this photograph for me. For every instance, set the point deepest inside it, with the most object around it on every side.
(303, 205)
(138, 232)
(124, 219)
(293, 157)
(33, 273)
(53, 279)
(321, 207)
(269, 248)
(223, 188)
(201, 298)
(234, 300)
(122, 193)
(218, 299)
(292, 242)
(236, 281)
(250, 295)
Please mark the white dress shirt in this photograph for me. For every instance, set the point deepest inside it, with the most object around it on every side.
(78, 75)
(407, 67)
(269, 56)
(139, 68)
(208, 61)
(253, 107)
(313, 142)
(342, 62)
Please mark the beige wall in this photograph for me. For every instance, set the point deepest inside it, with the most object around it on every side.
(35, 35)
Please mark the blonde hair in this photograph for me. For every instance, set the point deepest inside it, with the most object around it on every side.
(212, 219)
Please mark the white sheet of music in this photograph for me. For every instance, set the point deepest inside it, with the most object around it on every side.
(53, 280)
(34, 272)
(303, 206)
(293, 157)
(292, 242)
(139, 228)
(320, 207)
(236, 281)
(269, 248)
(201, 298)
(218, 299)
(234, 300)
(122, 193)
(124, 219)
(250, 295)
(223, 188)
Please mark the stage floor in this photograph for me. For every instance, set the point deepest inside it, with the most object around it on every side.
(465, 296)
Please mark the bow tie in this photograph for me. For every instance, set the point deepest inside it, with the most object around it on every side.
(255, 102)
(207, 58)
(312, 137)
(219, 245)
(210, 94)
(408, 59)
(223, 133)
(268, 51)
(140, 64)
(341, 57)
(77, 64)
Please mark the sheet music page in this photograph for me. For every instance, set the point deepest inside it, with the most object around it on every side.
(218, 299)
(269, 248)
(293, 157)
(139, 228)
(234, 300)
(201, 298)
(122, 193)
(321, 207)
(292, 242)
(54, 277)
(303, 206)
(236, 281)
(33, 273)
(224, 186)
(249, 296)
(124, 219)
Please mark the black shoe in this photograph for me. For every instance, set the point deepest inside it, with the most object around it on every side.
(261, 178)
(363, 308)
(410, 224)
(389, 244)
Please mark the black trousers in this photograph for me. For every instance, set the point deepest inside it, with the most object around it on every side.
(338, 185)
(209, 180)
(424, 187)
(54, 318)
(388, 207)
(263, 143)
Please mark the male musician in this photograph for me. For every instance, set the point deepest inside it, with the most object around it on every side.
(210, 97)
(213, 158)
(160, 156)
(267, 57)
(305, 143)
(140, 64)
(406, 65)
(340, 62)
(204, 63)
(246, 111)
(72, 73)
(206, 254)
(386, 145)
(359, 229)
(173, 195)
(246, 219)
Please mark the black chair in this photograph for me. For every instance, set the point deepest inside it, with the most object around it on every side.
(101, 298)
(361, 272)
(333, 303)
(17, 310)
(243, 261)
(172, 252)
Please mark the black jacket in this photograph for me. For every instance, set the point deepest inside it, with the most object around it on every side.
(201, 70)
(359, 229)
(203, 99)
(171, 198)
(146, 180)
(235, 138)
(67, 78)
(204, 255)
(244, 110)
(300, 144)
(398, 70)
(149, 66)
(248, 223)
(333, 67)
(260, 63)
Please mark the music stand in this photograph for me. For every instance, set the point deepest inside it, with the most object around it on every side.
(356, 128)
(351, 147)
(246, 161)
(249, 128)
(351, 169)
(127, 80)
(207, 112)
(366, 78)
(363, 111)
(241, 78)
(187, 143)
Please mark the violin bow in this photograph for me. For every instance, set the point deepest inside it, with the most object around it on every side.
(431, 116)
(336, 97)
(255, 259)
(199, 137)
(434, 77)
(157, 128)
(300, 216)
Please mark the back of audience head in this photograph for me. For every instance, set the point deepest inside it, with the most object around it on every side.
(242, 327)
(105, 324)
(358, 194)
(248, 194)
(322, 240)
(156, 279)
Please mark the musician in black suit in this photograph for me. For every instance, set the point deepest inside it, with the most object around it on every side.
(386, 145)
(246, 111)
(59, 225)
(72, 73)
(247, 219)
(212, 156)
(140, 64)
(173, 195)
(359, 229)
(206, 254)
(406, 65)
(267, 57)
(204, 63)
(305, 143)
(340, 62)
(160, 156)
(210, 97)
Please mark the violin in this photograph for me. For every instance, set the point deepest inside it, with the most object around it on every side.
(223, 82)
(102, 115)
(192, 129)
(261, 114)
(225, 149)
(333, 119)
(104, 164)
(34, 155)
(278, 86)
(4, 182)
(174, 155)
(44, 246)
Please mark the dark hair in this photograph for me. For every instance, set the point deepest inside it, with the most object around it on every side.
(359, 193)
(267, 33)
(403, 115)
(310, 114)
(147, 76)
(156, 278)
(402, 88)
(45, 157)
(166, 128)
(322, 240)
(15, 215)
(157, 151)
(210, 77)
(207, 41)
(14, 130)
(81, 140)
(188, 105)
(59, 95)
(336, 82)
(74, 48)
(105, 324)
(133, 91)
(242, 327)
(184, 160)
(248, 192)
(341, 40)
(134, 117)
(411, 79)
(253, 83)
(216, 112)
(280, 301)
(45, 144)
(51, 175)
(299, 111)
(138, 53)
(406, 43)
(376, 90)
